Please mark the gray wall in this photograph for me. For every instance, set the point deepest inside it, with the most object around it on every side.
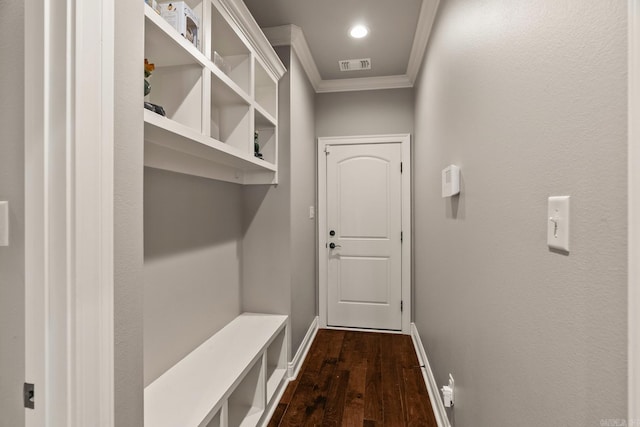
(364, 113)
(529, 99)
(279, 273)
(128, 237)
(192, 250)
(303, 195)
(12, 189)
(266, 269)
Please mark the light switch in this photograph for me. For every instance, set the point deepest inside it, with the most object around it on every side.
(4, 223)
(558, 223)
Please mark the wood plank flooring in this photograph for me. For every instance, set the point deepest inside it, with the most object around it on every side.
(357, 379)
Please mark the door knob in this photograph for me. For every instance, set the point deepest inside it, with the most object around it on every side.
(333, 245)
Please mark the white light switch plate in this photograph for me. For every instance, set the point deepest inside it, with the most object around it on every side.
(558, 223)
(4, 223)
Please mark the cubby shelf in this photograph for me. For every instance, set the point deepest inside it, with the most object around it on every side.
(215, 97)
(165, 45)
(173, 146)
(223, 381)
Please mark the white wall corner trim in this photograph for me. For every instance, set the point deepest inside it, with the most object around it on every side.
(634, 212)
(426, 19)
(430, 381)
(303, 350)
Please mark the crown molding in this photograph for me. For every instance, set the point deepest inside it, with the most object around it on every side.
(426, 19)
(250, 29)
(364, 83)
(292, 35)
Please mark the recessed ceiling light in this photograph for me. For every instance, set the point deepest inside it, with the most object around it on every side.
(358, 31)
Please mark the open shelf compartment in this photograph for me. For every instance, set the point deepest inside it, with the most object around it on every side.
(276, 363)
(177, 81)
(178, 90)
(247, 402)
(230, 115)
(227, 51)
(164, 46)
(266, 91)
(267, 136)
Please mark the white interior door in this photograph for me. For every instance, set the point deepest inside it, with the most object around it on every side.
(364, 225)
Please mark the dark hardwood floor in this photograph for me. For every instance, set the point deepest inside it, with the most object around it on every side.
(357, 379)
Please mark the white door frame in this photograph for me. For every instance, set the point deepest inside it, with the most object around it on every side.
(69, 341)
(405, 141)
(634, 212)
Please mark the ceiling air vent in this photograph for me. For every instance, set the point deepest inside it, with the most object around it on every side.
(355, 64)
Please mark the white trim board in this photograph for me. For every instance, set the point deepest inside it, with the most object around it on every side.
(292, 35)
(405, 141)
(432, 387)
(634, 213)
(303, 350)
(69, 212)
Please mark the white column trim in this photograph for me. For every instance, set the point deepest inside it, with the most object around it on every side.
(93, 216)
(69, 122)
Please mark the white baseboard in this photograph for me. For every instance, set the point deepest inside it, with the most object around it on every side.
(301, 354)
(434, 394)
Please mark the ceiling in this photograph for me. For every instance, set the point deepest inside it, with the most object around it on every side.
(326, 23)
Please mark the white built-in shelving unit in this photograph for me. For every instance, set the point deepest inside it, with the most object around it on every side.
(228, 381)
(215, 95)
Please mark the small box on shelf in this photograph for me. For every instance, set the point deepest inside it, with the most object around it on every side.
(180, 16)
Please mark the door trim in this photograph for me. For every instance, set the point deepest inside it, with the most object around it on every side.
(405, 143)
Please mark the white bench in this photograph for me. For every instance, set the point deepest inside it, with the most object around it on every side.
(228, 381)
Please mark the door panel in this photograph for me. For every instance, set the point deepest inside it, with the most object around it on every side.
(363, 279)
(363, 201)
(364, 210)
